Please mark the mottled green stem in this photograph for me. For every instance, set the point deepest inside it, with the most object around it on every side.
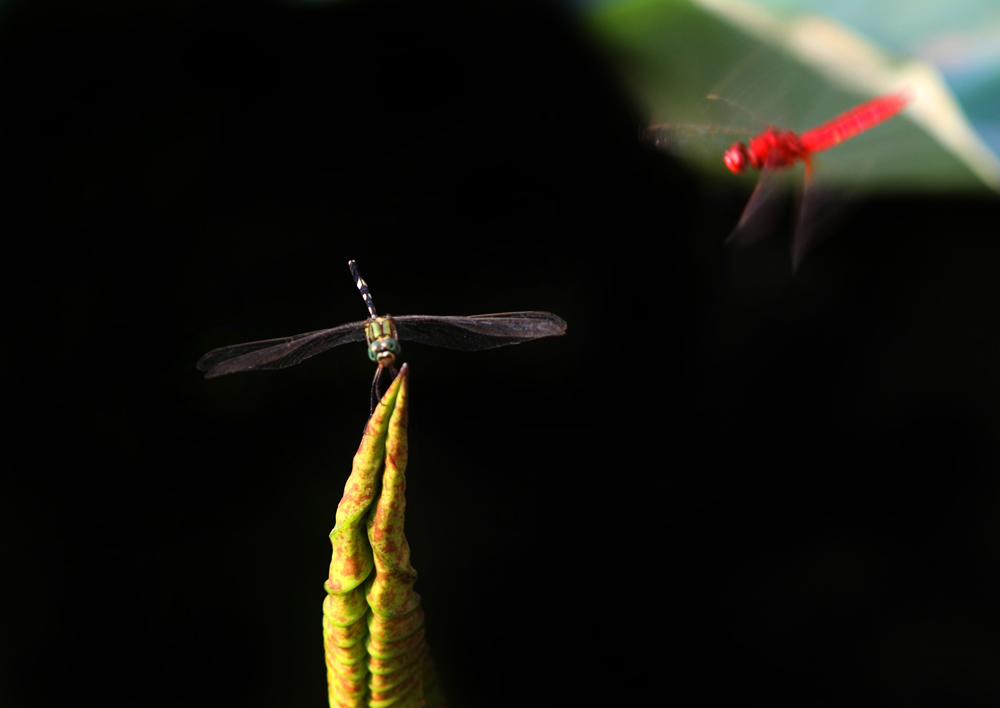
(373, 624)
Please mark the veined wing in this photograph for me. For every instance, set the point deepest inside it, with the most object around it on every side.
(278, 353)
(479, 331)
(678, 136)
(758, 215)
(701, 145)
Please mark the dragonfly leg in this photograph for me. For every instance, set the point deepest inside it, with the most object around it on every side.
(378, 373)
(376, 393)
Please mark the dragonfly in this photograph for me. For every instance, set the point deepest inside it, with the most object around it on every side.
(777, 149)
(382, 335)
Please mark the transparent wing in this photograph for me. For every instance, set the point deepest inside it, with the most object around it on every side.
(821, 210)
(701, 144)
(479, 331)
(758, 215)
(278, 353)
(669, 135)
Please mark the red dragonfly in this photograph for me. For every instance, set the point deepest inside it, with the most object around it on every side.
(776, 149)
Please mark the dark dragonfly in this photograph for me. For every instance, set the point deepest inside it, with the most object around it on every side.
(382, 335)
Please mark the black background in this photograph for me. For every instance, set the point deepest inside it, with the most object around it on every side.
(724, 482)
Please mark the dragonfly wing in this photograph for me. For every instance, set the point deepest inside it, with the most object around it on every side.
(479, 331)
(697, 143)
(675, 135)
(278, 353)
(820, 212)
(758, 215)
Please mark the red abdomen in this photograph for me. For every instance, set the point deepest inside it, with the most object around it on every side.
(854, 121)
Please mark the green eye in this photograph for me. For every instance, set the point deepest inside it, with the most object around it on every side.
(386, 344)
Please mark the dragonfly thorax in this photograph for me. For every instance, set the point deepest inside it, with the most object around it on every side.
(383, 342)
(772, 148)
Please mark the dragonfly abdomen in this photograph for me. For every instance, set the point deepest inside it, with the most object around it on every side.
(857, 120)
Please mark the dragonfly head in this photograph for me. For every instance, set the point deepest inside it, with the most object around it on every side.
(737, 158)
(383, 342)
(384, 351)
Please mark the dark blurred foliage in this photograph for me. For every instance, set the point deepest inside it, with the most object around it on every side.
(724, 481)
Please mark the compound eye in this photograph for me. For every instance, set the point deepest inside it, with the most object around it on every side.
(736, 158)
